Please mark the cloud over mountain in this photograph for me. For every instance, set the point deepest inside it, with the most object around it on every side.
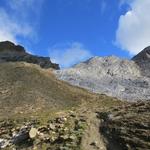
(69, 54)
(133, 33)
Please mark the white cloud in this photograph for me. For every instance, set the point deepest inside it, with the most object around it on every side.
(133, 33)
(9, 28)
(69, 54)
(15, 19)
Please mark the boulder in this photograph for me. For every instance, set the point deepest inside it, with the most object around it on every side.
(21, 136)
(33, 133)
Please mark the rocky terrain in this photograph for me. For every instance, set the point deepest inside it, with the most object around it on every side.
(9, 52)
(124, 79)
(127, 126)
(121, 127)
(64, 132)
(40, 112)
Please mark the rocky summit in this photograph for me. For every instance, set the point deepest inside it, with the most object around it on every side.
(143, 61)
(9, 52)
(121, 78)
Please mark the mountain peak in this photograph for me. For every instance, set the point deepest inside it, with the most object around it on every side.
(9, 46)
(143, 61)
(144, 55)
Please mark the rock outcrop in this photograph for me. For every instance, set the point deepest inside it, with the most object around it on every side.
(10, 52)
(143, 61)
(124, 79)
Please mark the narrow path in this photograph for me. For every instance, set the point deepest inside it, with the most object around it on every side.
(92, 140)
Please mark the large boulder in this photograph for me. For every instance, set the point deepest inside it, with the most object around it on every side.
(21, 136)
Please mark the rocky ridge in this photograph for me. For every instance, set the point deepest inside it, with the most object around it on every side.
(121, 78)
(9, 52)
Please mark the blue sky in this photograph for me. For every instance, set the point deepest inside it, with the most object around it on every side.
(71, 31)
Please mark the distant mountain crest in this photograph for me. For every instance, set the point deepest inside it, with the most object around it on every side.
(9, 52)
(9, 46)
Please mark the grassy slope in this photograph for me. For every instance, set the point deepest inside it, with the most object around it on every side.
(26, 88)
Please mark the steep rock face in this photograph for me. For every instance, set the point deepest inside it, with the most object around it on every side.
(10, 52)
(109, 75)
(143, 61)
(112, 66)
